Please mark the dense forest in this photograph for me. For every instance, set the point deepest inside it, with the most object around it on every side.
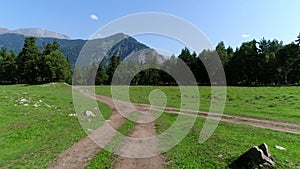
(264, 62)
(32, 66)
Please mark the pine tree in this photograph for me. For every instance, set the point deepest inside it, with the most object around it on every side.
(101, 76)
(29, 61)
(115, 61)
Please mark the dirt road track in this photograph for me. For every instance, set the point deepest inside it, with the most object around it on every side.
(79, 155)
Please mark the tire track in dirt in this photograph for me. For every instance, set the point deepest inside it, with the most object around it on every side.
(277, 125)
(79, 155)
(281, 126)
(142, 130)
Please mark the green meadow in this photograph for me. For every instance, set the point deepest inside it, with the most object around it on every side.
(35, 126)
(276, 103)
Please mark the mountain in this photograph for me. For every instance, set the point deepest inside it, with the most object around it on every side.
(141, 56)
(35, 32)
(119, 44)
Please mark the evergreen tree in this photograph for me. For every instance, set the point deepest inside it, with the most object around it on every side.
(115, 61)
(298, 40)
(57, 66)
(222, 52)
(101, 76)
(29, 61)
(288, 60)
(77, 76)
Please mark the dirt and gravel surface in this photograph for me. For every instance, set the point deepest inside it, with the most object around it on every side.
(79, 155)
(142, 130)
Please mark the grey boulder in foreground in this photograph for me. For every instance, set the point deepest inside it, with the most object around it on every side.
(255, 157)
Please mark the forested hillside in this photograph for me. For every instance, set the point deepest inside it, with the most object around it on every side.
(264, 62)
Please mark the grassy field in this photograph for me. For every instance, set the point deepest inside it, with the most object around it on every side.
(34, 124)
(35, 127)
(277, 103)
(230, 140)
(227, 143)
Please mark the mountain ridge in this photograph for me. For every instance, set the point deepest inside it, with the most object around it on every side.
(119, 44)
(35, 32)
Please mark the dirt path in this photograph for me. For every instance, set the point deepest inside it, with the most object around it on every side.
(282, 126)
(140, 131)
(79, 155)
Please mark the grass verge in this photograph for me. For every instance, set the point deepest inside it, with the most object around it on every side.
(226, 144)
(34, 124)
(275, 103)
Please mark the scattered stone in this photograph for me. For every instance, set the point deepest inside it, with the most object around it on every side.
(40, 101)
(220, 155)
(26, 105)
(72, 115)
(47, 105)
(95, 108)
(35, 105)
(90, 130)
(89, 113)
(280, 148)
(255, 157)
(24, 100)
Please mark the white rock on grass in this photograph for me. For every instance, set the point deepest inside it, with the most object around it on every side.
(90, 130)
(280, 148)
(35, 105)
(220, 155)
(26, 105)
(47, 105)
(71, 115)
(24, 100)
(89, 113)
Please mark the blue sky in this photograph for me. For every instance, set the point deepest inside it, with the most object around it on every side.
(232, 21)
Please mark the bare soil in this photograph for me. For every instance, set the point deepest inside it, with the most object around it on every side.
(142, 130)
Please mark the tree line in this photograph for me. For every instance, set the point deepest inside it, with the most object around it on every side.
(33, 66)
(264, 62)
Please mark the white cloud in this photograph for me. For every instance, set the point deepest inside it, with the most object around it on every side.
(94, 17)
(245, 35)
